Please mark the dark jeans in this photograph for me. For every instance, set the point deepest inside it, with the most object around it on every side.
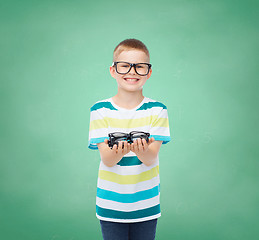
(129, 231)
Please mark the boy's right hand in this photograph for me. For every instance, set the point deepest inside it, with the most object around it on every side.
(119, 151)
(111, 157)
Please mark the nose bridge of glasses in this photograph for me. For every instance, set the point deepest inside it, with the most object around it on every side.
(132, 66)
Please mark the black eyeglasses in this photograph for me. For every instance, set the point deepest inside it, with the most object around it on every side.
(116, 137)
(141, 69)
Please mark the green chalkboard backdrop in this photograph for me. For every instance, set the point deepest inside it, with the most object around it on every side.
(55, 58)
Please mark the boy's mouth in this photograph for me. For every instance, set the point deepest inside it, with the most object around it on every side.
(131, 79)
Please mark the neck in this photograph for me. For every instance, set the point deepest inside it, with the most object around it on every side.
(128, 100)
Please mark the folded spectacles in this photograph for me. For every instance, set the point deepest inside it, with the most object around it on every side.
(116, 137)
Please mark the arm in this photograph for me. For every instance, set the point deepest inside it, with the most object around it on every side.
(146, 152)
(111, 157)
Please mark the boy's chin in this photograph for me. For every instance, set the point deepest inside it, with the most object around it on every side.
(131, 89)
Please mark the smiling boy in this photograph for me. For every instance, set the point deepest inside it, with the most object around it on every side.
(128, 188)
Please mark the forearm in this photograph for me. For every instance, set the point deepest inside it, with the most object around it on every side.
(146, 153)
(149, 157)
(109, 159)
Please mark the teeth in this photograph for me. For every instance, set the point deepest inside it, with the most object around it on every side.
(131, 80)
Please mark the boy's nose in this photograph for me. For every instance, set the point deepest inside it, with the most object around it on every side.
(132, 70)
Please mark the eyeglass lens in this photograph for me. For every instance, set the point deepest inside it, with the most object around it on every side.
(141, 68)
(118, 134)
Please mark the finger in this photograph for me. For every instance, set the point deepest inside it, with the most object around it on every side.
(120, 147)
(132, 147)
(125, 146)
(140, 146)
(135, 145)
(114, 148)
(151, 140)
(144, 143)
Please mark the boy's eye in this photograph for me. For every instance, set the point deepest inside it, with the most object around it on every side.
(139, 66)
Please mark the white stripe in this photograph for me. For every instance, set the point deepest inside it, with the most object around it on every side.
(127, 130)
(130, 115)
(96, 133)
(128, 188)
(162, 131)
(129, 220)
(128, 170)
(95, 115)
(130, 154)
(135, 114)
(163, 113)
(103, 132)
(127, 207)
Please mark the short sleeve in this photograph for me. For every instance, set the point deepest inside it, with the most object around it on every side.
(160, 127)
(98, 129)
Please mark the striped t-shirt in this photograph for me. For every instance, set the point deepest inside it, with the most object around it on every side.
(130, 190)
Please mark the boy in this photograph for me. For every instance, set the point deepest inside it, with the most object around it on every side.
(128, 188)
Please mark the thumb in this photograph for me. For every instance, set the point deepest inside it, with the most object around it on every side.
(151, 140)
(106, 141)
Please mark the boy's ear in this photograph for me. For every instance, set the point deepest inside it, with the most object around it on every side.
(112, 71)
(149, 74)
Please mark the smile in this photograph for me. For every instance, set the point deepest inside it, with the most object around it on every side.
(131, 79)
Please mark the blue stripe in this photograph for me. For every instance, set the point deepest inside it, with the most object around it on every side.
(128, 197)
(102, 105)
(94, 141)
(144, 106)
(165, 139)
(93, 147)
(129, 161)
(98, 140)
(148, 105)
(147, 212)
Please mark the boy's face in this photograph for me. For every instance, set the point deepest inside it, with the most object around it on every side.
(131, 81)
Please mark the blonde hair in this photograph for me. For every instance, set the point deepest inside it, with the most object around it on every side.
(129, 44)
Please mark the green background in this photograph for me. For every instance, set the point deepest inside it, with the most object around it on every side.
(55, 58)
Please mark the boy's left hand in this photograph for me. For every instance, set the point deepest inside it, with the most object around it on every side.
(140, 146)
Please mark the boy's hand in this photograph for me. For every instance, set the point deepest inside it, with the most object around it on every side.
(140, 146)
(146, 152)
(110, 157)
(118, 151)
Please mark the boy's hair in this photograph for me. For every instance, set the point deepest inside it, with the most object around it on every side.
(129, 44)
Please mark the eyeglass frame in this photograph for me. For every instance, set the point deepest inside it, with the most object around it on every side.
(128, 137)
(132, 65)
